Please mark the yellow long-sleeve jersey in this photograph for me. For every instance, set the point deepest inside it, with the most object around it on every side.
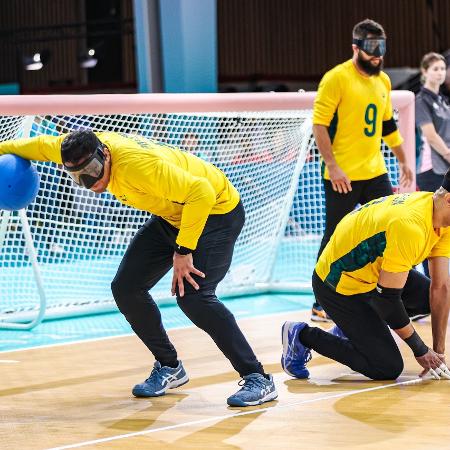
(177, 186)
(391, 233)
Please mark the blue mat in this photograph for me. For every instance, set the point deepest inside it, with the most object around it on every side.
(114, 324)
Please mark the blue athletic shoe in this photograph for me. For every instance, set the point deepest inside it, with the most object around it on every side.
(256, 389)
(161, 379)
(336, 331)
(295, 354)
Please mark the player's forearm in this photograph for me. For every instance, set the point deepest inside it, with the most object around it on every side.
(405, 332)
(195, 213)
(323, 142)
(399, 153)
(439, 304)
(192, 225)
(35, 149)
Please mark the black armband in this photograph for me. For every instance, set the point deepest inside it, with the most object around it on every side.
(182, 250)
(389, 126)
(416, 344)
(389, 306)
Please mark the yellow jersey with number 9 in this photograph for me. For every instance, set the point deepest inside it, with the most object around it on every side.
(391, 233)
(357, 110)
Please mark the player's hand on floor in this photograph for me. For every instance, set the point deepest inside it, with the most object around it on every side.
(441, 373)
(433, 366)
(183, 266)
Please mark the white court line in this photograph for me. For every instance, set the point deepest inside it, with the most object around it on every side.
(229, 416)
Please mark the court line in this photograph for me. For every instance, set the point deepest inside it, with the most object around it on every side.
(230, 416)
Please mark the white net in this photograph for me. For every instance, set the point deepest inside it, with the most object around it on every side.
(80, 237)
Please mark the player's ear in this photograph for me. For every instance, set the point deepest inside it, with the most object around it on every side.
(447, 199)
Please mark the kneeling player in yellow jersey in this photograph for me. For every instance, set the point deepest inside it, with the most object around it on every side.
(197, 217)
(365, 281)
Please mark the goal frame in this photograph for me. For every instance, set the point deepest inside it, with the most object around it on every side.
(97, 104)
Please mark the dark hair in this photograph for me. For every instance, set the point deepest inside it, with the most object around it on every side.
(431, 58)
(446, 181)
(362, 29)
(78, 145)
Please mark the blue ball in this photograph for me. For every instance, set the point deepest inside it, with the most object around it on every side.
(19, 182)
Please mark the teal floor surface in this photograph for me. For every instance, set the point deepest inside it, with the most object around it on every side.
(113, 324)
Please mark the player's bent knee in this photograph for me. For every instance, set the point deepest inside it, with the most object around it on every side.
(390, 371)
(118, 291)
(203, 304)
(123, 294)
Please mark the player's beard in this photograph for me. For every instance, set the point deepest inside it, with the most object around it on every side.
(368, 67)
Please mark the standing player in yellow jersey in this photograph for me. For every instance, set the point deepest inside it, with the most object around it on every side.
(352, 113)
(365, 281)
(197, 217)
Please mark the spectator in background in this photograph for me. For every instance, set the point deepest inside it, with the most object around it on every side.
(433, 123)
(445, 88)
(433, 120)
(352, 113)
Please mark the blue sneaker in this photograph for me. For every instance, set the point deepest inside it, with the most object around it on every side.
(256, 389)
(295, 354)
(161, 379)
(336, 331)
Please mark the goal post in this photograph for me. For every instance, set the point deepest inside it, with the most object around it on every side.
(64, 263)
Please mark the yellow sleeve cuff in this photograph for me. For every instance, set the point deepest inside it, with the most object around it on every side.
(394, 139)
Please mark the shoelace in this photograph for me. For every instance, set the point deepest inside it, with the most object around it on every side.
(155, 371)
(249, 383)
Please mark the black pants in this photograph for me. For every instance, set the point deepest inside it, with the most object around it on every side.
(150, 256)
(430, 182)
(338, 205)
(370, 348)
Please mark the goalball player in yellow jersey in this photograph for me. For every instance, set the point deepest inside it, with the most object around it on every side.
(365, 281)
(352, 113)
(197, 217)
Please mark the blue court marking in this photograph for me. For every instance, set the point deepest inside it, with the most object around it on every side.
(114, 324)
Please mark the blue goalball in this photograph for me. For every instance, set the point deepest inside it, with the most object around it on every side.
(19, 182)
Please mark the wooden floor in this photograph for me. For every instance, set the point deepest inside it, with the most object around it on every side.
(78, 396)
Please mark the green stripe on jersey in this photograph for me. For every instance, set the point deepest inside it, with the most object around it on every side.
(365, 252)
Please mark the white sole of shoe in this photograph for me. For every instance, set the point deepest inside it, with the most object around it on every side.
(173, 384)
(268, 398)
(179, 382)
(285, 341)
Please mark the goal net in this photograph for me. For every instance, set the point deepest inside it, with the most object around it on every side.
(78, 237)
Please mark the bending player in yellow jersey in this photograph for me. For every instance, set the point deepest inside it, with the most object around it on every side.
(197, 217)
(352, 113)
(365, 281)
